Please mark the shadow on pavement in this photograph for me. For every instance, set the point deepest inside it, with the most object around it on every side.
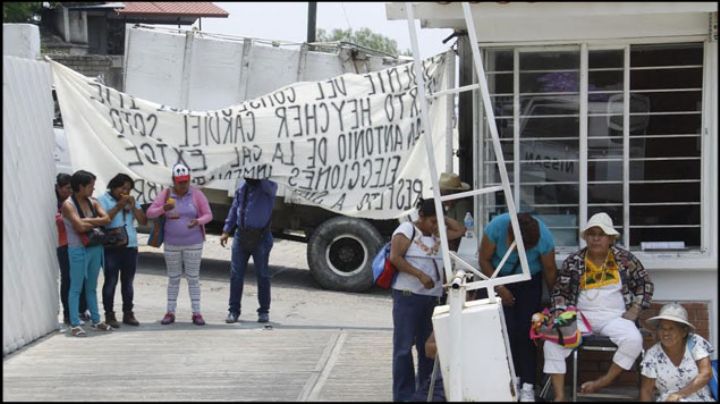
(219, 270)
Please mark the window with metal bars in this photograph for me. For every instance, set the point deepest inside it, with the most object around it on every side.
(573, 147)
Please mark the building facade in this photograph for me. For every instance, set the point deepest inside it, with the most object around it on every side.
(601, 107)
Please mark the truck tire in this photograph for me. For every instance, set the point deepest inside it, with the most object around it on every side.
(340, 253)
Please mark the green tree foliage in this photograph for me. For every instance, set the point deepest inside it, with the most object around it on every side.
(363, 37)
(20, 11)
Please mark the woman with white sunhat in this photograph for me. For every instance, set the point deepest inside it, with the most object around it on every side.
(678, 366)
(610, 287)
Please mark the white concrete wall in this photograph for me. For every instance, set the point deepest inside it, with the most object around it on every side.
(30, 267)
(202, 72)
(21, 40)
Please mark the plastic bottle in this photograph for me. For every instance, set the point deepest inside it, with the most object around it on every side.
(469, 225)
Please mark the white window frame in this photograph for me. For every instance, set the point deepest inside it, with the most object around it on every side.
(704, 258)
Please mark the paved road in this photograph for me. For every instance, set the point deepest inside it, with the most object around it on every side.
(321, 345)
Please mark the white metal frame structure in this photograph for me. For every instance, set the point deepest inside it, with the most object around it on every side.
(458, 286)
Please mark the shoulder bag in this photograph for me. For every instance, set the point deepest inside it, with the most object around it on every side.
(94, 237)
(157, 233)
(561, 329)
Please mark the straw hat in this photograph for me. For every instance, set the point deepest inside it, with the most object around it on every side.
(451, 182)
(673, 312)
(603, 221)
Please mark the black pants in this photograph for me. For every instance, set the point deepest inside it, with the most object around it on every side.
(119, 262)
(64, 261)
(518, 319)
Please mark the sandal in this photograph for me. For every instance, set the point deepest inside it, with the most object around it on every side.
(78, 332)
(102, 327)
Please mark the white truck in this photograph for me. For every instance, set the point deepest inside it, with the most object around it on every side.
(196, 71)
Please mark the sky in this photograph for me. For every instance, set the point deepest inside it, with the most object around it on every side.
(288, 22)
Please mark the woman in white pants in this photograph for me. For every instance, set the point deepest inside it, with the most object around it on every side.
(610, 287)
(186, 211)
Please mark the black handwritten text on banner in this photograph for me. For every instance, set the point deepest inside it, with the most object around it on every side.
(351, 144)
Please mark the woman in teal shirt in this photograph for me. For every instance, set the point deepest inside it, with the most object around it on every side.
(521, 299)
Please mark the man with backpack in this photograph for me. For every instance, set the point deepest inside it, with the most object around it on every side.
(249, 220)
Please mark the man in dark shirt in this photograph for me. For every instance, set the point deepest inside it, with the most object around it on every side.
(249, 219)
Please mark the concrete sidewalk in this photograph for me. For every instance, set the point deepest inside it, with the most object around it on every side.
(319, 346)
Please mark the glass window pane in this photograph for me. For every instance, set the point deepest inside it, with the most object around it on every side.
(690, 235)
(605, 58)
(666, 78)
(549, 171)
(500, 83)
(615, 212)
(555, 149)
(550, 127)
(665, 147)
(499, 59)
(671, 54)
(507, 148)
(545, 60)
(504, 127)
(668, 215)
(603, 148)
(551, 82)
(562, 222)
(671, 101)
(605, 170)
(550, 194)
(605, 80)
(549, 105)
(664, 169)
(665, 192)
(492, 173)
(605, 126)
(502, 105)
(665, 124)
(605, 193)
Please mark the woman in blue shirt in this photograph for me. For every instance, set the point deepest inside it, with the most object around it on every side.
(521, 299)
(121, 260)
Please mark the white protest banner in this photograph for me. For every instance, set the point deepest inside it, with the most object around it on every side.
(351, 144)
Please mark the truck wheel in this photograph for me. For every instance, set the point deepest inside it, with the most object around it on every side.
(340, 253)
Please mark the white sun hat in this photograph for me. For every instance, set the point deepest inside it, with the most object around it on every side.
(673, 312)
(603, 221)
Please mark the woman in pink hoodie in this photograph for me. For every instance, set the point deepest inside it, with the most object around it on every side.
(186, 211)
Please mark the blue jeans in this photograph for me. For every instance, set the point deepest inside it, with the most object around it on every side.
(123, 262)
(64, 261)
(85, 263)
(412, 325)
(238, 264)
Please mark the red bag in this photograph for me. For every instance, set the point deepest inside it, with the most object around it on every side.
(384, 271)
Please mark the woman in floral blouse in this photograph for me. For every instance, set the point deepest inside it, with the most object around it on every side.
(609, 286)
(679, 365)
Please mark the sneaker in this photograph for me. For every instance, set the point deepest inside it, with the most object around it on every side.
(232, 317)
(101, 327)
(197, 319)
(112, 320)
(85, 316)
(169, 318)
(129, 318)
(527, 393)
(78, 332)
(263, 317)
